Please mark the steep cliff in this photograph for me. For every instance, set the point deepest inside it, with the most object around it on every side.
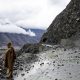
(65, 25)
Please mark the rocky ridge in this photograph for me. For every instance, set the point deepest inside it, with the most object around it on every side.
(65, 25)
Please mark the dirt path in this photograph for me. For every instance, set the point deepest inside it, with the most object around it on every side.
(59, 64)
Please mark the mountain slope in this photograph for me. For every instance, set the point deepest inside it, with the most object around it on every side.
(20, 39)
(65, 25)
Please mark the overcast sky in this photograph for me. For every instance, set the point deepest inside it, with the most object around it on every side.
(31, 13)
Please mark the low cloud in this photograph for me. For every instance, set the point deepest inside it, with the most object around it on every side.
(30, 33)
(8, 27)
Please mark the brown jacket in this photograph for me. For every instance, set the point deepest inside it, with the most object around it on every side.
(10, 57)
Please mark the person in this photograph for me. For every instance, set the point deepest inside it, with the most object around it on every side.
(9, 60)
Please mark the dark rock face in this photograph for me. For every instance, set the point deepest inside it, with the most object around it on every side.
(65, 25)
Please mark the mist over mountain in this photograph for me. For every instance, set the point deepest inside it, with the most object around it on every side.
(20, 39)
(10, 32)
(8, 27)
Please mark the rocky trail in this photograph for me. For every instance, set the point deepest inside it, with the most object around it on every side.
(54, 64)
